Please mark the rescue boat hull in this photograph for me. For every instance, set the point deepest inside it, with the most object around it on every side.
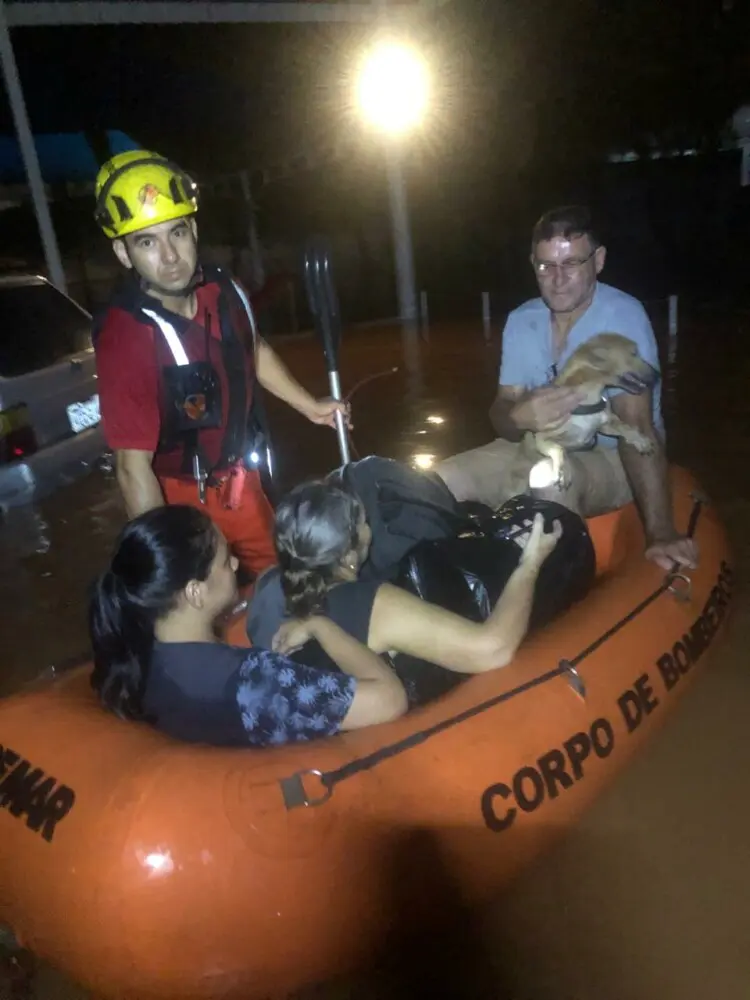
(147, 868)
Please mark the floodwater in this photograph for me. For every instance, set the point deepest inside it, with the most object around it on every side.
(648, 898)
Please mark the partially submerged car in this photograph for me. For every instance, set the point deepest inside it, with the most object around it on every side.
(50, 429)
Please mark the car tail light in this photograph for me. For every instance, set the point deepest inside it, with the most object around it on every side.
(17, 438)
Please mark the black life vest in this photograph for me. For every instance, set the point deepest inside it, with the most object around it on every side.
(192, 390)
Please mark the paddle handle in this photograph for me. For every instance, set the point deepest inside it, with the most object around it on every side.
(324, 306)
(341, 429)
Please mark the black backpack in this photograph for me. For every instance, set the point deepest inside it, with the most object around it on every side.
(403, 507)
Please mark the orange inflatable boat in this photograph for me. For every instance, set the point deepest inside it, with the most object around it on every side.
(145, 868)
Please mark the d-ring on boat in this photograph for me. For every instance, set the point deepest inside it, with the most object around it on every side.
(147, 868)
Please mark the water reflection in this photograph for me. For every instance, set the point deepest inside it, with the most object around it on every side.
(49, 553)
(24, 532)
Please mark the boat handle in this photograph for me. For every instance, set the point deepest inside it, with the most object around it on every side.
(684, 591)
(574, 678)
(295, 794)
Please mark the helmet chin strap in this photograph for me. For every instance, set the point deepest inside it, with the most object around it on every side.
(170, 293)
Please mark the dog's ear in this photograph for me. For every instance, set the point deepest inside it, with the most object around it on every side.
(583, 374)
(604, 353)
(598, 354)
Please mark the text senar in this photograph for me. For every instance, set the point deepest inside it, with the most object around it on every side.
(26, 791)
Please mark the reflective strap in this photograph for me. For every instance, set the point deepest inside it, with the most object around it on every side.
(248, 309)
(170, 335)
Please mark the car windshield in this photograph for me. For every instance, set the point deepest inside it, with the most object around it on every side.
(38, 327)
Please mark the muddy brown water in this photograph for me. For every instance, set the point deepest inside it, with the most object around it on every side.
(648, 898)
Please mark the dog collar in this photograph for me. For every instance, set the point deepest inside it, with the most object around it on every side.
(586, 409)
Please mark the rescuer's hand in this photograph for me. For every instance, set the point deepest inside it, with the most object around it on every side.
(323, 411)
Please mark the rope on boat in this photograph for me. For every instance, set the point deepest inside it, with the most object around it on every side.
(293, 788)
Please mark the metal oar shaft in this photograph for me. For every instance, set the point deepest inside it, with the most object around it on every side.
(324, 307)
(341, 429)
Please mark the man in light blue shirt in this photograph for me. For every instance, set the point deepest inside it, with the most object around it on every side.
(538, 338)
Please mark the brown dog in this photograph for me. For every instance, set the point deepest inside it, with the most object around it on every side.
(607, 360)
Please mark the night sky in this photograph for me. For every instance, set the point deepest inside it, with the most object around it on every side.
(530, 97)
(567, 78)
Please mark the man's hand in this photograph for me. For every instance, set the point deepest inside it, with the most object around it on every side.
(680, 550)
(546, 408)
(274, 376)
(323, 411)
(648, 476)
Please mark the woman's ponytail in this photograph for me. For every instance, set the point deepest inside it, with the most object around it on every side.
(304, 589)
(317, 525)
(156, 556)
(122, 636)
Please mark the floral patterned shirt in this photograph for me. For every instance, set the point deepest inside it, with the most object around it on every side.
(232, 696)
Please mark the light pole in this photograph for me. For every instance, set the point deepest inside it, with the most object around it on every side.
(403, 250)
(741, 127)
(392, 94)
(29, 154)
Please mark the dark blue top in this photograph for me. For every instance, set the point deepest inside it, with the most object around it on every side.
(230, 696)
(349, 605)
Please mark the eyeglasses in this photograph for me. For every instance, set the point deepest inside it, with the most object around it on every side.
(545, 267)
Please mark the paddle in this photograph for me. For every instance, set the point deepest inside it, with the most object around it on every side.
(324, 306)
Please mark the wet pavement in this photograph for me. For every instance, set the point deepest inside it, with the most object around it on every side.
(649, 897)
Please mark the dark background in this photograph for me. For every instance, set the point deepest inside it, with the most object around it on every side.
(531, 97)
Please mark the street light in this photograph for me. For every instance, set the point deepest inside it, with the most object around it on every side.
(393, 88)
(392, 94)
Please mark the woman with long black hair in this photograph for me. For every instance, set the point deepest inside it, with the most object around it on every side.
(157, 659)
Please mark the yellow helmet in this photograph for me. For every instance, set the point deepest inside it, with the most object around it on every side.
(138, 189)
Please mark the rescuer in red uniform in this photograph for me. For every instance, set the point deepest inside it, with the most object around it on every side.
(179, 361)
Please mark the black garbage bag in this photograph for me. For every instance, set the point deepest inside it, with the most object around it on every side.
(467, 574)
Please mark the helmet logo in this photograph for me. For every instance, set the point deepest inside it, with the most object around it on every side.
(148, 194)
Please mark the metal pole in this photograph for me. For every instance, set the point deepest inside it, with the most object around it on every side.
(29, 154)
(341, 430)
(424, 315)
(672, 349)
(745, 163)
(253, 241)
(40, 13)
(487, 316)
(408, 303)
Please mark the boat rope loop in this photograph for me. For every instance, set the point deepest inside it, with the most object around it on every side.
(294, 788)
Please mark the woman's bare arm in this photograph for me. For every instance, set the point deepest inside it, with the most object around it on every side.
(403, 623)
(380, 695)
